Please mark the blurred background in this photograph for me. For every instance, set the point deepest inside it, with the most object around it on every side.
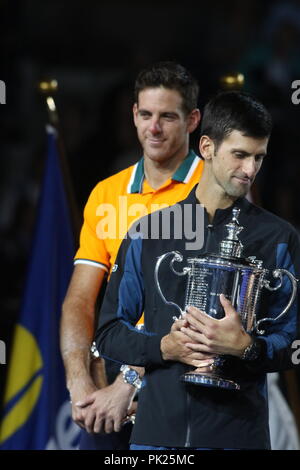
(94, 49)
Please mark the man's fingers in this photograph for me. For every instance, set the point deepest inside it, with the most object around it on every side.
(89, 422)
(195, 336)
(79, 422)
(83, 403)
(178, 324)
(199, 354)
(226, 304)
(98, 425)
(109, 426)
(224, 300)
(198, 358)
(198, 362)
(203, 364)
(117, 425)
(78, 416)
(203, 369)
(201, 348)
(198, 315)
(202, 356)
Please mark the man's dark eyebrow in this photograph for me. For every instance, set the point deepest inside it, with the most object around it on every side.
(145, 111)
(170, 113)
(243, 152)
(164, 113)
(247, 154)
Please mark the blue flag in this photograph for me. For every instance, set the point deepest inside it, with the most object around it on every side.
(36, 412)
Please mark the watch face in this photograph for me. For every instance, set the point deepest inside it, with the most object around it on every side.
(131, 375)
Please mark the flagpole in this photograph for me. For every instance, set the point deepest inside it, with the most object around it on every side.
(48, 88)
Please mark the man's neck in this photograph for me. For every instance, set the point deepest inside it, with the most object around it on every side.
(157, 173)
(211, 196)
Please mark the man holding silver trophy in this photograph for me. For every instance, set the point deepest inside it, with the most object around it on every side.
(205, 369)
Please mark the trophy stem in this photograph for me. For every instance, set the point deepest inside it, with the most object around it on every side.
(209, 379)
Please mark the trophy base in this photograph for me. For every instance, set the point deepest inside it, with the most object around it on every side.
(209, 380)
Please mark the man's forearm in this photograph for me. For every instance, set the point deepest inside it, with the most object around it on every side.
(76, 335)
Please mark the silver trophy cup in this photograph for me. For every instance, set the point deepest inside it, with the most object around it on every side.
(241, 280)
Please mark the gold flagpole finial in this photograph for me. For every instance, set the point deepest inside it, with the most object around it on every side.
(232, 81)
(48, 88)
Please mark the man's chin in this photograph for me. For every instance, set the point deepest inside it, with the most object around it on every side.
(238, 192)
(155, 156)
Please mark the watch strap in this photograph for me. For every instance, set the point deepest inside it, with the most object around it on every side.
(253, 351)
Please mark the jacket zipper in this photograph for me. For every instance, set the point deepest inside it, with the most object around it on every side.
(209, 226)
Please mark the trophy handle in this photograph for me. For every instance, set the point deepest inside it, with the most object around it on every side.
(176, 257)
(278, 274)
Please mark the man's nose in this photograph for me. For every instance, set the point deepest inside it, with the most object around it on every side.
(250, 167)
(155, 126)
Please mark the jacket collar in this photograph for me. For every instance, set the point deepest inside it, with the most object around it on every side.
(182, 174)
(220, 214)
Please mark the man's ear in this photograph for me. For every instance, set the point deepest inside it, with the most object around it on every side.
(135, 112)
(206, 147)
(193, 120)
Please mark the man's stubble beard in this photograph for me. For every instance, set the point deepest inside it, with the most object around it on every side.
(235, 192)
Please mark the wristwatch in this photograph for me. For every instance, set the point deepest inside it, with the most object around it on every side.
(253, 351)
(131, 376)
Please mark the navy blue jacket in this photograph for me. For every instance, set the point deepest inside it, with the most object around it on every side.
(172, 413)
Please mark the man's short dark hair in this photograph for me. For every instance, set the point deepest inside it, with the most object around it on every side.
(172, 76)
(235, 111)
